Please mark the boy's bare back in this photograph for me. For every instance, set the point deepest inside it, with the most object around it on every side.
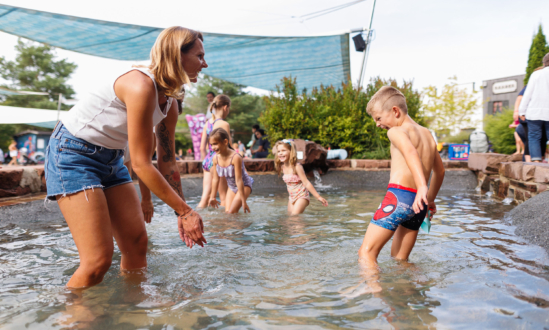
(406, 136)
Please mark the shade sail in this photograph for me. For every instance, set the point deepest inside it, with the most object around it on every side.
(36, 117)
(255, 61)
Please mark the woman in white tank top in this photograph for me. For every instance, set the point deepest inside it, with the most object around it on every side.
(84, 160)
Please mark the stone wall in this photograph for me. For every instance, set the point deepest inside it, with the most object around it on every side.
(506, 176)
(18, 181)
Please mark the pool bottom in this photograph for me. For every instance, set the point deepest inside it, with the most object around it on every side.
(269, 270)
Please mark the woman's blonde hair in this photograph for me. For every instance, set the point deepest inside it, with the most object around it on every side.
(288, 145)
(166, 63)
(218, 102)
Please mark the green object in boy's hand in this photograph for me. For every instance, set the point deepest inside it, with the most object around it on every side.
(426, 225)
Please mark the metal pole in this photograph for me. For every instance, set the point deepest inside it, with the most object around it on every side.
(364, 58)
(59, 106)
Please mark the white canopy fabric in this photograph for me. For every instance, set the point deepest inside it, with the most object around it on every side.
(36, 117)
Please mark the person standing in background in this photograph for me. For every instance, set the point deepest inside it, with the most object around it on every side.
(210, 96)
(251, 144)
(521, 129)
(13, 153)
(534, 108)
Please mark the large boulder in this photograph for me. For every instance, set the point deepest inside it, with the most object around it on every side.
(311, 155)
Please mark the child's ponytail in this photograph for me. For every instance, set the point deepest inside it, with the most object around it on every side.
(219, 101)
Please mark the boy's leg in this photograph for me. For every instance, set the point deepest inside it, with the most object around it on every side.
(403, 243)
(299, 206)
(376, 237)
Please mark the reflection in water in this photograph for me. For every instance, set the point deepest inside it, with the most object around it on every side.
(269, 270)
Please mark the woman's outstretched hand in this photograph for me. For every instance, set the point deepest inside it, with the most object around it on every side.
(191, 228)
(214, 203)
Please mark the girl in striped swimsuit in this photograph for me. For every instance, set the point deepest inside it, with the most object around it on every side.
(296, 181)
(232, 168)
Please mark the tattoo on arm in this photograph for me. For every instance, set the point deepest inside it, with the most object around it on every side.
(175, 182)
(165, 143)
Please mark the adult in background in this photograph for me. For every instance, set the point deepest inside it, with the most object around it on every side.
(263, 144)
(84, 159)
(14, 152)
(522, 128)
(534, 107)
(251, 144)
(210, 97)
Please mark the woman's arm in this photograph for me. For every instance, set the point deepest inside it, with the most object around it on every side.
(215, 183)
(308, 185)
(137, 91)
(239, 182)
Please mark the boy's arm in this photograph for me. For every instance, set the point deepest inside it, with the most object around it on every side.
(437, 178)
(402, 142)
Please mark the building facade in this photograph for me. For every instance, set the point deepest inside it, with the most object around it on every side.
(501, 93)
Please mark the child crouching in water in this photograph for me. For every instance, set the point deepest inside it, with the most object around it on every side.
(232, 168)
(296, 181)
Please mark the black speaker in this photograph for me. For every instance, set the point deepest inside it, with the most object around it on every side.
(360, 44)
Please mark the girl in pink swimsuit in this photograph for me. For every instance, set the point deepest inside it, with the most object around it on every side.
(296, 181)
(232, 168)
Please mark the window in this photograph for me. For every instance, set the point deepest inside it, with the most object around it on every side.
(498, 106)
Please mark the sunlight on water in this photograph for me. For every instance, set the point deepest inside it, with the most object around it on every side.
(268, 270)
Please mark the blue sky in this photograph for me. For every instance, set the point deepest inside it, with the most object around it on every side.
(426, 40)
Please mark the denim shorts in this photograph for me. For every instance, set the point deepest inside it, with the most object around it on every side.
(74, 165)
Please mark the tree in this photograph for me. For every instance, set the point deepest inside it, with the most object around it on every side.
(334, 117)
(245, 108)
(499, 133)
(35, 69)
(451, 110)
(538, 49)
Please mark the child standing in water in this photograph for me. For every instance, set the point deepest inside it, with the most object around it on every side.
(413, 157)
(232, 168)
(219, 107)
(296, 181)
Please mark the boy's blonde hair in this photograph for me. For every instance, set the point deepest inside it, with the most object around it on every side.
(219, 101)
(288, 145)
(166, 59)
(387, 97)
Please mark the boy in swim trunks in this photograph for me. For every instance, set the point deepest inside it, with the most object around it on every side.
(413, 157)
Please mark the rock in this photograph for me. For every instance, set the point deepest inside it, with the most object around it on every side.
(18, 191)
(311, 155)
(31, 179)
(182, 166)
(10, 178)
(541, 174)
(455, 164)
(259, 165)
(489, 162)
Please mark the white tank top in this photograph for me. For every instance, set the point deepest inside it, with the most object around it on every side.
(101, 118)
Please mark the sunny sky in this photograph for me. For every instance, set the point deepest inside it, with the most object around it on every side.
(424, 40)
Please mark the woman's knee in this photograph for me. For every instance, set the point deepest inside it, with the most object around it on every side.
(96, 268)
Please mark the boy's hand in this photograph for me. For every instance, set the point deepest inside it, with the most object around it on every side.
(421, 199)
(433, 208)
(323, 201)
(214, 203)
(245, 207)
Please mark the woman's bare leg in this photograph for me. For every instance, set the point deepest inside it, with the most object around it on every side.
(236, 202)
(87, 215)
(206, 190)
(223, 187)
(299, 206)
(128, 226)
(403, 243)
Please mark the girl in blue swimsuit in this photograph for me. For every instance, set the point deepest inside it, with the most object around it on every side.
(219, 108)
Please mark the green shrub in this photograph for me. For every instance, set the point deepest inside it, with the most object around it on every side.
(498, 131)
(458, 138)
(332, 117)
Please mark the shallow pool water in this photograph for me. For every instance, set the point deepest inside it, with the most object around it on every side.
(267, 270)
